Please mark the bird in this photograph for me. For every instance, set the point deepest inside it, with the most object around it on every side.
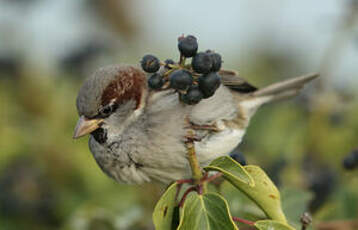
(137, 135)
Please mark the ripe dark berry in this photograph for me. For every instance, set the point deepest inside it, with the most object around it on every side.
(188, 46)
(216, 59)
(180, 79)
(216, 62)
(351, 161)
(150, 63)
(169, 62)
(202, 62)
(238, 157)
(193, 95)
(321, 181)
(209, 83)
(156, 81)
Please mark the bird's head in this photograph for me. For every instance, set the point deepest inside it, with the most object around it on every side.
(109, 98)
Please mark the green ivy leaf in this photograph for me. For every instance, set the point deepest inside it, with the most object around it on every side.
(254, 182)
(231, 170)
(272, 225)
(208, 211)
(264, 193)
(165, 208)
(240, 204)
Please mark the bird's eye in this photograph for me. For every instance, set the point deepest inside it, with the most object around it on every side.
(107, 110)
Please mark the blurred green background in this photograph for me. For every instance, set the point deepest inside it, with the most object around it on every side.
(48, 47)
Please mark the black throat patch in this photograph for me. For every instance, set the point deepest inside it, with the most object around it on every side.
(100, 135)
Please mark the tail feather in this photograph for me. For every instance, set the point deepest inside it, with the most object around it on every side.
(277, 91)
(294, 84)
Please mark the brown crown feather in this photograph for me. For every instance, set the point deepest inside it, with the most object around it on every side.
(128, 84)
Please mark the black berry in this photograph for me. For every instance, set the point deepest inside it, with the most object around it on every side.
(180, 79)
(169, 62)
(202, 62)
(193, 95)
(209, 83)
(238, 157)
(150, 63)
(216, 62)
(188, 46)
(156, 81)
(351, 161)
(322, 181)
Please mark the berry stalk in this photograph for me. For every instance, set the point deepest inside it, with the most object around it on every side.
(182, 60)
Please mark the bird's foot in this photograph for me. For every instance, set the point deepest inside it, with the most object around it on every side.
(191, 138)
(212, 128)
(193, 126)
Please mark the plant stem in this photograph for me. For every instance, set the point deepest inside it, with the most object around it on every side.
(213, 177)
(306, 220)
(183, 181)
(191, 189)
(194, 164)
(238, 219)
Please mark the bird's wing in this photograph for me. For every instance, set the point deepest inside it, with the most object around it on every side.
(232, 80)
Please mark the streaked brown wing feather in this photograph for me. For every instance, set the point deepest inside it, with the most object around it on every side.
(234, 82)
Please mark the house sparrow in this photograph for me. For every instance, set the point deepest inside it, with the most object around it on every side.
(138, 135)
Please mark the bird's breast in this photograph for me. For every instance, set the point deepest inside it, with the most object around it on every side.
(218, 144)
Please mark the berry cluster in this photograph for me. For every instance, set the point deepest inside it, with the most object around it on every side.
(194, 82)
(351, 161)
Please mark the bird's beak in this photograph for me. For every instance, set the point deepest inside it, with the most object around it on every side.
(85, 126)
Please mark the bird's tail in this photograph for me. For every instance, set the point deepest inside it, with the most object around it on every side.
(277, 91)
